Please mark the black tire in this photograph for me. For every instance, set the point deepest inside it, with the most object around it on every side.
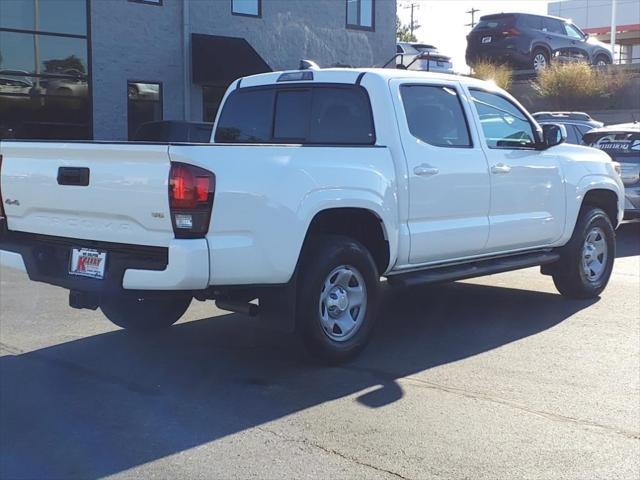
(145, 314)
(570, 276)
(602, 60)
(545, 55)
(322, 256)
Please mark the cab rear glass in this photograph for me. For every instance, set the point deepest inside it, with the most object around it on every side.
(321, 114)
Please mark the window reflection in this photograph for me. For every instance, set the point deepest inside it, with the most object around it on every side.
(144, 104)
(55, 16)
(44, 84)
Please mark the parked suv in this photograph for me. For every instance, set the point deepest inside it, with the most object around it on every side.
(576, 123)
(532, 42)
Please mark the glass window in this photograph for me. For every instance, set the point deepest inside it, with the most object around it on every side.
(293, 109)
(573, 31)
(58, 55)
(435, 115)
(318, 115)
(531, 21)
(360, 13)
(246, 7)
(246, 117)
(503, 124)
(55, 16)
(144, 104)
(341, 116)
(552, 25)
(44, 108)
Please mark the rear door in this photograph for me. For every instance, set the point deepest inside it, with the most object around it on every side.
(447, 171)
(93, 191)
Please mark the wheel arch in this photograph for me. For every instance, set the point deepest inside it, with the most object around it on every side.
(359, 223)
(605, 199)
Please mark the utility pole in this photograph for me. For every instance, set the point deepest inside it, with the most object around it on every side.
(473, 12)
(613, 30)
(413, 25)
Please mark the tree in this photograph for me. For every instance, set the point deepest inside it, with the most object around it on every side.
(403, 32)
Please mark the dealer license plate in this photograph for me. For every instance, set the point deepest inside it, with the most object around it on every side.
(87, 263)
(486, 39)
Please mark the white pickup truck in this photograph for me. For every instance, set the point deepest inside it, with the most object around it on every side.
(315, 185)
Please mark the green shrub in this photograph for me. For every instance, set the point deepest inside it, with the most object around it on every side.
(499, 74)
(578, 85)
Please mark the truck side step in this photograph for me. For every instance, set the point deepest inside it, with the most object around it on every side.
(478, 268)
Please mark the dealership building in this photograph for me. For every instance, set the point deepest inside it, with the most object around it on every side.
(594, 18)
(98, 69)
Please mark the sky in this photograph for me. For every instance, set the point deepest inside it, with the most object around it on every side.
(443, 21)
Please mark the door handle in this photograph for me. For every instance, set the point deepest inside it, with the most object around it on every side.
(500, 168)
(75, 176)
(425, 170)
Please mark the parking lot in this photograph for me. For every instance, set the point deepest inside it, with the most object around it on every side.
(497, 377)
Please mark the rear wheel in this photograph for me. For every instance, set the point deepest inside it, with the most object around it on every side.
(602, 61)
(587, 260)
(147, 314)
(540, 59)
(337, 297)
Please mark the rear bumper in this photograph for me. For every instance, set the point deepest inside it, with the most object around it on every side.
(184, 265)
(501, 52)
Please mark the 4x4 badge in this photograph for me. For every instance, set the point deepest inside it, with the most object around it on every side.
(8, 201)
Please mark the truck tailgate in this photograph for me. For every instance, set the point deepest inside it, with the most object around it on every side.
(124, 199)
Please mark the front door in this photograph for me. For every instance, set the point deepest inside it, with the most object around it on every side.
(447, 171)
(527, 190)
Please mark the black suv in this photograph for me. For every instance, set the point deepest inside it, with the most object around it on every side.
(531, 42)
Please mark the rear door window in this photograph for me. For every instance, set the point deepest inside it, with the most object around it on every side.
(552, 25)
(435, 115)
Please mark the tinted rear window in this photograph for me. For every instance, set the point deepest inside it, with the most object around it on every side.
(246, 117)
(530, 21)
(495, 22)
(305, 114)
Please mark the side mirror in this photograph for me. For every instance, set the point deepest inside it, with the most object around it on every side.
(553, 135)
(586, 36)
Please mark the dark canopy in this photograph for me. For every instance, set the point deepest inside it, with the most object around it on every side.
(217, 60)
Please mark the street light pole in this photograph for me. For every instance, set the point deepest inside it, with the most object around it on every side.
(613, 29)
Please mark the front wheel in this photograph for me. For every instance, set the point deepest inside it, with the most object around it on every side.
(337, 297)
(147, 314)
(586, 263)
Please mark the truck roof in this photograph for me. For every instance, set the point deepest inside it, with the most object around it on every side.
(351, 76)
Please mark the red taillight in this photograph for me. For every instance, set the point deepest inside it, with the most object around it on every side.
(191, 191)
(511, 32)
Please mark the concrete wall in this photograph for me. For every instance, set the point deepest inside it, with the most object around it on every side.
(136, 41)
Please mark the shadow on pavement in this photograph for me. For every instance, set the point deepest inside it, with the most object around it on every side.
(628, 240)
(103, 404)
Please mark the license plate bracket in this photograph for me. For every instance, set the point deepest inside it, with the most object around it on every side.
(87, 262)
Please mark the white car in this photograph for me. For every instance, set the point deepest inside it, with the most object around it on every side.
(420, 56)
(316, 184)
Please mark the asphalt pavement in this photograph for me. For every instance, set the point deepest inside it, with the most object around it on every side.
(497, 378)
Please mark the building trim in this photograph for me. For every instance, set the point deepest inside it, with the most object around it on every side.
(633, 27)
